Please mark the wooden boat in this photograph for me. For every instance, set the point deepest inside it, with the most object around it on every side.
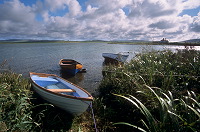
(70, 66)
(115, 58)
(61, 92)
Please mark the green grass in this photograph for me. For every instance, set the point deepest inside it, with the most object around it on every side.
(22, 110)
(156, 91)
(175, 114)
(15, 107)
(162, 77)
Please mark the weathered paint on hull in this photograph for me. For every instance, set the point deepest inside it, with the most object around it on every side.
(75, 103)
(73, 106)
(114, 58)
(70, 71)
(70, 66)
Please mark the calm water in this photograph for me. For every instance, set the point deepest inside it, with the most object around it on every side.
(44, 58)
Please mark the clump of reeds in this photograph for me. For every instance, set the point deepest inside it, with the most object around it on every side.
(15, 95)
(174, 114)
(177, 72)
(21, 111)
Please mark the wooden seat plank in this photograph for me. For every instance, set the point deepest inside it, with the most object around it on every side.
(62, 90)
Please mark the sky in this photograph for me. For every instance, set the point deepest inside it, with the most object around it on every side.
(152, 20)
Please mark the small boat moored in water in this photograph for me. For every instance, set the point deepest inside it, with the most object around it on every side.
(70, 66)
(115, 58)
(61, 92)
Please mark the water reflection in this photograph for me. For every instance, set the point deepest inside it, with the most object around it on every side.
(76, 79)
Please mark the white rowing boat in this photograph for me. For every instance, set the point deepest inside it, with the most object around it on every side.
(115, 58)
(61, 92)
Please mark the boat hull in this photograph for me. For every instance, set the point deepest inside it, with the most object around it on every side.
(71, 104)
(114, 58)
(70, 71)
(70, 66)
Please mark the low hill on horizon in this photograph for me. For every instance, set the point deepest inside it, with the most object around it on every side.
(120, 41)
(192, 41)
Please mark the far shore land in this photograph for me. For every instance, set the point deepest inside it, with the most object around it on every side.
(109, 42)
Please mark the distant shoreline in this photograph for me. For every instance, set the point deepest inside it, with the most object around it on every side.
(109, 42)
(157, 43)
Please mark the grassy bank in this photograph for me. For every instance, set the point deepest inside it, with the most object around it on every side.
(157, 91)
(22, 110)
(15, 114)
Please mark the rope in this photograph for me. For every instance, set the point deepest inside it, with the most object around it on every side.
(95, 125)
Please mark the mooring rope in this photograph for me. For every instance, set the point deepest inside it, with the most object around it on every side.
(95, 125)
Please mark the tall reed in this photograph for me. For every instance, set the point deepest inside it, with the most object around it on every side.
(164, 71)
(15, 95)
(175, 114)
(21, 110)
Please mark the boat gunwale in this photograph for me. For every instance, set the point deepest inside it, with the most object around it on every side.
(113, 58)
(89, 98)
(114, 54)
(61, 62)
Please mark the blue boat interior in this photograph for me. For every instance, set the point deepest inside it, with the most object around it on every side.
(52, 83)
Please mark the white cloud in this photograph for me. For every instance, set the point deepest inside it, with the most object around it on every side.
(190, 4)
(16, 19)
(195, 25)
(74, 8)
(16, 12)
(54, 5)
(72, 5)
(102, 19)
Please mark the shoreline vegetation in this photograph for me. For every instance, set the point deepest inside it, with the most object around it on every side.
(193, 43)
(155, 91)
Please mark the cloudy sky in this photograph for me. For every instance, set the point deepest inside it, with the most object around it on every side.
(175, 20)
